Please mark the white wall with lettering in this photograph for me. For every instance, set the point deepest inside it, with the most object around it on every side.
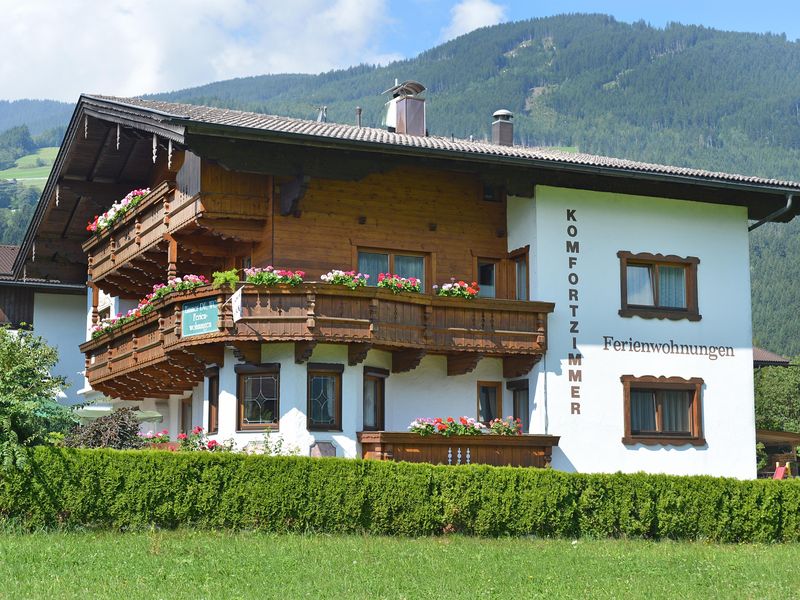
(588, 413)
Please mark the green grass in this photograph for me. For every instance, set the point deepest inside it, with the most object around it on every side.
(26, 168)
(191, 564)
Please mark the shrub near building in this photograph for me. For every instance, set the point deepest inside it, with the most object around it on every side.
(136, 489)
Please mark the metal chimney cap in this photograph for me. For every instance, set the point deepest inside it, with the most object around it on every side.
(407, 88)
(503, 115)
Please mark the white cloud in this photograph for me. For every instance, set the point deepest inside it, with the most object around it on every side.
(469, 15)
(57, 49)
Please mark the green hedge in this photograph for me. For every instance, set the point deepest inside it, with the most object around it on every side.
(136, 489)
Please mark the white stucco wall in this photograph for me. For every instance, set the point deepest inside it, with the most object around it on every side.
(426, 391)
(605, 224)
(60, 319)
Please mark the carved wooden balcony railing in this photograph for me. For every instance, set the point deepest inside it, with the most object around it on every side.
(151, 356)
(498, 450)
(134, 251)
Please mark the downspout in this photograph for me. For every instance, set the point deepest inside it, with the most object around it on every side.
(776, 214)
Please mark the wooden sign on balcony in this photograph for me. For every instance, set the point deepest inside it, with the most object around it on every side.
(199, 317)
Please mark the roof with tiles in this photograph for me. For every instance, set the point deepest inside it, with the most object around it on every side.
(336, 131)
(762, 357)
(7, 255)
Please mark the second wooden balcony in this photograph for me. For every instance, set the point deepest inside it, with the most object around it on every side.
(168, 348)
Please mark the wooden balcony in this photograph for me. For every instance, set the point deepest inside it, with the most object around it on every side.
(128, 256)
(157, 354)
(497, 450)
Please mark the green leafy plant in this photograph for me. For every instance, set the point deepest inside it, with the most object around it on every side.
(223, 278)
(29, 411)
(268, 276)
(66, 488)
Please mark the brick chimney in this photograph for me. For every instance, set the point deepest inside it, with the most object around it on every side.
(503, 128)
(405, 112)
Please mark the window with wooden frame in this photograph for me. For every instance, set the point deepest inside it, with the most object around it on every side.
(654, 286)
(519, 273)
(486, 275)
(186, 414)
(663, 410)
(324, 409)
(374, 401)
(212, 398)
(372, 262)
(490, 401)
(519, 396)
(258, 393)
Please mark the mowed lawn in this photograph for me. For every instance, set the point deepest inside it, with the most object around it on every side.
(27, 171)
(191, 564)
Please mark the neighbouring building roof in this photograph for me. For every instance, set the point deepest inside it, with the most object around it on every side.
(8, 254)
(765, 358)
(191, 113)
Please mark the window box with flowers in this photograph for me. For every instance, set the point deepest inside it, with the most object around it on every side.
(146, 304)
(397, 284)
(457, 289)
(118, 210)
(350, 279)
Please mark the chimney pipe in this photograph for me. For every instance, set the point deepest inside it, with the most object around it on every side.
(503, 128)
(358, 116)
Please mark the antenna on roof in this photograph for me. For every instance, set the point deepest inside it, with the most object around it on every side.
(322, 114)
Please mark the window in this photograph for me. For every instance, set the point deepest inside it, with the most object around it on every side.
(324, 411)
(662, 410)
(186, 415)
(519, 394)
(374, 398)
(490, 401)
(487, 278)
(519, 272)
(654, 286)
(405, 264)
(494, 193)
(258, 391)
(212, 396)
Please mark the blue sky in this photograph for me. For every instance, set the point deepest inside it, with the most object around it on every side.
(132, 47)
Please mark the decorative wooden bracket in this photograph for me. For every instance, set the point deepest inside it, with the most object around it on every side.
(517, 366)
(172, 256)
(209, 353)
(291, 193)
(303, 350)
(357, 353)
(462, 363)
(249, 352)
(406, 360)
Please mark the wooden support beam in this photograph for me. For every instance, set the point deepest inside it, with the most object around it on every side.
(406, 360)
(303, 350)
(517, 366)
(462, 363)
(357, 353)
(248, 351)
(172, 256)
(95, 302)
(208, 353)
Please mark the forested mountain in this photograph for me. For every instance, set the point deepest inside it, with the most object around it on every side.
(38, 115)
(683, 95)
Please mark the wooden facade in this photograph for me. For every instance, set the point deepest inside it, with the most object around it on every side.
(497, 450)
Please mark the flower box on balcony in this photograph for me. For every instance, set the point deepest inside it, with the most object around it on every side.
(499, 450)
